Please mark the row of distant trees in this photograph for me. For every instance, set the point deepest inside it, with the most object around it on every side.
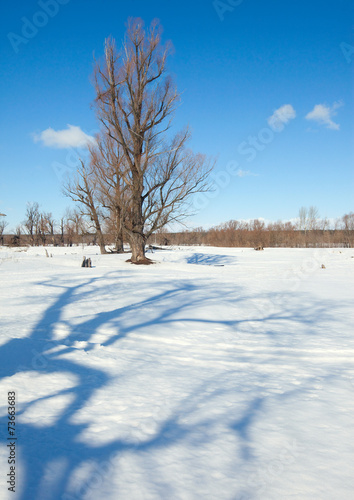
(309, 230)
(306, 231)
(40, 228)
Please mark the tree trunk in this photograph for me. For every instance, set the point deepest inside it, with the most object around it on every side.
(137, 237)
(119, 248)
(137, 245)
(101, 242)
(102, 246)
(119, 243)
(100, 236)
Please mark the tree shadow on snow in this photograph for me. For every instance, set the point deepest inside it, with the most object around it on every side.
(50, 453)
(203, 259)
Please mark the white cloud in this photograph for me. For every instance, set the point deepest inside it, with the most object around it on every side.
(245, 173)
(71, 137)
(282, 115)
(323, 114)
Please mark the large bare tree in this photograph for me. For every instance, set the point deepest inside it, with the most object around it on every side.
(135, 101)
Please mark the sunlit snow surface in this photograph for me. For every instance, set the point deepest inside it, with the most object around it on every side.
(216, 373)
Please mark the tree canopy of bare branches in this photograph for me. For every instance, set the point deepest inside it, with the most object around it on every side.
(146, 175)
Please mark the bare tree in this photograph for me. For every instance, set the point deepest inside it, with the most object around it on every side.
(62, 224)
(16, 238)
(134, 103)
(308, 218)
(308, 222)
(32, 220)
(50, 225)
(3, 225)
(69, 230)
(76, 217)
(74, 226)
(303, 219)
(312, 216)
(82, 189)
(107, 165)
(42, 229)
(348, 229)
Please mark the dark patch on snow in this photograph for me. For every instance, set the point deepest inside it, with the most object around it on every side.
(210, 260)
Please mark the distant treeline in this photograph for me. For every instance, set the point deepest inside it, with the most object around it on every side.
(73, 229)
(227, 235)
(308, 231)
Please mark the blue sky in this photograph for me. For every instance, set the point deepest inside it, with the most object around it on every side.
(267, 88)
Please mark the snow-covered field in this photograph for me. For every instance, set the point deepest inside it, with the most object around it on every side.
(216, 373)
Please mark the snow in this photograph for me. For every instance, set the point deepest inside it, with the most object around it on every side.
(215, 373)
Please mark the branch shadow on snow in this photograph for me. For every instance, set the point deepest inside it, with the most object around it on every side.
(203, 259)
(50, 453)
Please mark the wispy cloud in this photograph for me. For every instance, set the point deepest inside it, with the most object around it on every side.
(245, 173)
(282, 115)
(323, 114)
(71, 137)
